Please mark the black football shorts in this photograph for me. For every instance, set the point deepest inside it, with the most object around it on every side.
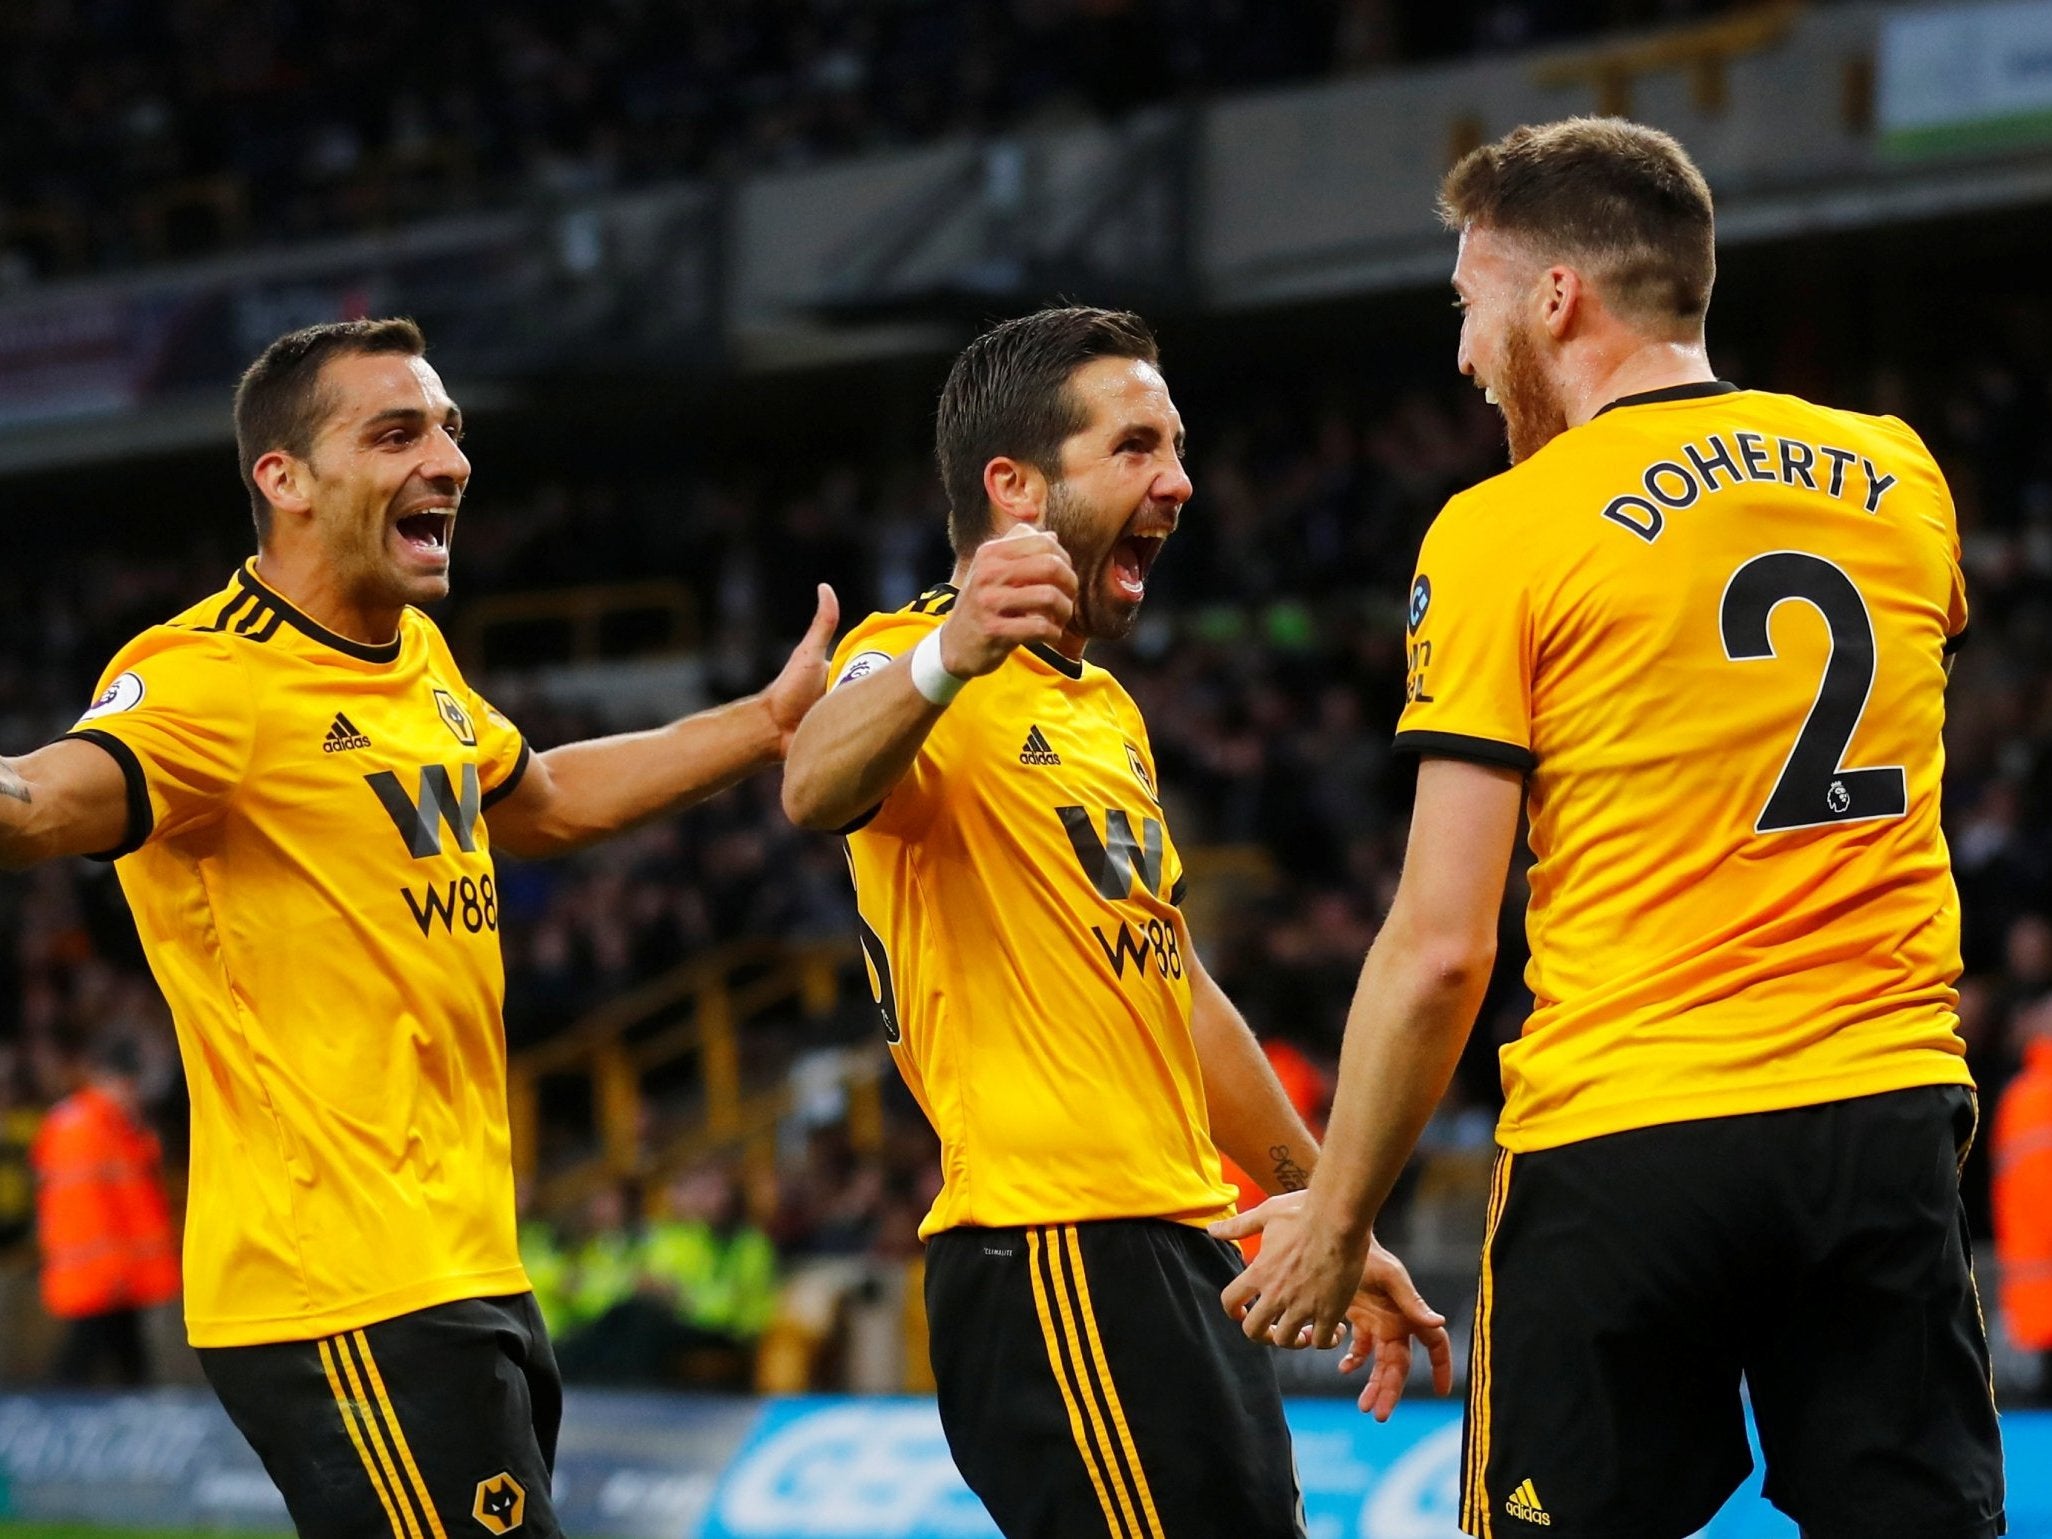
(1092, 1388)
(442, 1421)
(1632, 1283)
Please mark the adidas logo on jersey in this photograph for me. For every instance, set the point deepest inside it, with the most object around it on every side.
(1524, 1505)
(343, 736)
(1038, 749)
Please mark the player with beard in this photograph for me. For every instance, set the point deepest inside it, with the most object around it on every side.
(1700, 634)
(302, 796)
(1019, 898)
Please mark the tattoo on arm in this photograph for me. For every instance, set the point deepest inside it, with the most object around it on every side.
(12, 784)
(1289, 1175)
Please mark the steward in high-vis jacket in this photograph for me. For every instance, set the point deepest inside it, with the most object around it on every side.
(103, 1223)
(2021, 1149)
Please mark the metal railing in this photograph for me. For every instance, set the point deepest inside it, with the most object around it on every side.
(694, 1013)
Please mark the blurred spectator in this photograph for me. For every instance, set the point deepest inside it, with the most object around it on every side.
(546, 1263)
(679, 1301)
(603, 1265)
(716, 1271)
(2021, 1150)
(103, 1222)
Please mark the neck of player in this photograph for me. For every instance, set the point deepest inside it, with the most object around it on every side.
(317, 591)
(1604, 374)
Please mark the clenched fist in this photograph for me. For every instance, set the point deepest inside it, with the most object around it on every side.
(1020, 588)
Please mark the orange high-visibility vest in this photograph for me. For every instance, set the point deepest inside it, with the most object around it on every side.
(2021, 1150)
(102, 1220)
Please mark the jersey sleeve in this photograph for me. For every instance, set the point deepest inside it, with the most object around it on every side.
(1469, 652)
(1946, 522)
(1956, 612)
(174, 711)
(502, 753)
(876, 643)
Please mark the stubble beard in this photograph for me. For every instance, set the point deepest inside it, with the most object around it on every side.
(1097, 616)
(370, 573)
(1533, 413)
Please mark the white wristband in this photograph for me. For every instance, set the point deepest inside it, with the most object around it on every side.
(930, 676)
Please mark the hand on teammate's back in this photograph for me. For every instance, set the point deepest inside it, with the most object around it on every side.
(1305, 1290)
(1020, 588)
(803, 679)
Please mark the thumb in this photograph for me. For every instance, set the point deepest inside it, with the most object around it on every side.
(1411, 1304)
(824, 619)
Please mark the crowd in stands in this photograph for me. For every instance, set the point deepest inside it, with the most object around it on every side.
(1269, 665)
(135, 130)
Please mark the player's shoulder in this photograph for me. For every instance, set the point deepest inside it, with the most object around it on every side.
(418, 625)
(1502, 521)
(195, 635)
(1821, 420)
(878, 638)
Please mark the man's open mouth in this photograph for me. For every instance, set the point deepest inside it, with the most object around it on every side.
(1131, 560)
(426, 533)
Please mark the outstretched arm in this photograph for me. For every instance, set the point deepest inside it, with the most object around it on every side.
(583, 792)
(69, 798)
(1412, 1010)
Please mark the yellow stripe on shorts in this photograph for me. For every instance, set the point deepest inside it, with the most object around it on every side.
(1056, 1351)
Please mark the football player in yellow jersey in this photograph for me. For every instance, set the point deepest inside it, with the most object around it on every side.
(1019, 897)
(302, 795)
(1699, 635)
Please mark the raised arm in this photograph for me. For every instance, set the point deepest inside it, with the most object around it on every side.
(582, 792)
(859, 742)
(70, 798)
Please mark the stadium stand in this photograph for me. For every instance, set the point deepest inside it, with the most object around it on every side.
(131, 133)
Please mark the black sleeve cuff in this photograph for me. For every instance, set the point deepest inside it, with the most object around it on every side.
(1955, 641)
(859, 824)
(1180, 891)
(1458, 745)
(141, 820)
(511, 783)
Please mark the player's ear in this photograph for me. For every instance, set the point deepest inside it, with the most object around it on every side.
(1562, 296)
(1017, 491)
(284, 480)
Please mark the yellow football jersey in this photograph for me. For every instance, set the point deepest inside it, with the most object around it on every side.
(1018, 893)
(1711, 625)
(309, 869)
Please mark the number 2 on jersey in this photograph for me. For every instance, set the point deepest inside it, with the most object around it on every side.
(1814, 789)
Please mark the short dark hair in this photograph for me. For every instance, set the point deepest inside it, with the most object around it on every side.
(1623, 199)
(279, 403)
(1008, 394)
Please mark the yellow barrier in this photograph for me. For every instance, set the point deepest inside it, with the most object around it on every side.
(1704, 51)
(696, 1010)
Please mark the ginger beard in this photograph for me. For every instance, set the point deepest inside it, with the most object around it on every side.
(1111, 571)
(1533, 412)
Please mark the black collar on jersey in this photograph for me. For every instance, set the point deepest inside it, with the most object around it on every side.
(1703, 388)
(313, 629)
(1072, 666)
